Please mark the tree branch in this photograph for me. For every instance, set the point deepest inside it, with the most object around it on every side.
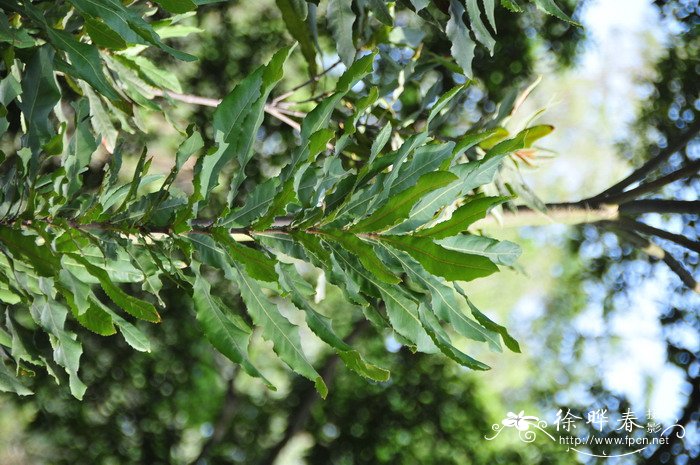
(557, 213)
(652, 164)
(635, 226)
(654, 251)
(223, 421)
(689, 170)
(271, 110)
(637, 207)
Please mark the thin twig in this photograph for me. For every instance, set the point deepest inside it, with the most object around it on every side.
(291, 91)
(636, 226)
(212, 102)
(654, 251)
(686, 171)
(641, 172)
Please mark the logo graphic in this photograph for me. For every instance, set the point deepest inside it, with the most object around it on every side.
(594, 438)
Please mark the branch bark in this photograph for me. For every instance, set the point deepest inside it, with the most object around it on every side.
(642, 172)
(687, 171)
(632, 225)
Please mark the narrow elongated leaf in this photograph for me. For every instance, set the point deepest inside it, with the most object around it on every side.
(40, 94)
(432, 326)
(9, 383)
(340, 20)
(444, 301)
(132, 305)
(80, 149)
(462, 45)
(508, 340)
(257, 264)
(40, 257)
(236, 122)
(177, 6)
(300, 30)
(449, 264)
(550, 7)
(85, 62)
(381, 12)
(277, 329)
(132, 335)
(127, 23)
(473, 210)
(471, 175)
(51, 316)
(480, 31)
(399, 207)
(257, 203)
(229, 335)
(499, 252)
(489, 9)
(365, 254)
(301, 293)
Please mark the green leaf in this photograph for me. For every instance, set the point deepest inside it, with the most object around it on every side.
(9, 383)
(40, 94)
(399, 207)
(363, 252)
(534, 133)
(300, 293)
(403, 315)
(81, 146)
(40, 257)
(132, 335)
(51, 316)
(299, 30)
(257, 203)
(154, 74)
(85, 62)
(499, 252)
(485, 139)
(340, 20)
(127, 23)
(508, 340)
(443, 101)
(227, 334)
(471, 211)
(489, 9)
(132, 305)
(449, 264)
(442, 341)
(101, 120)
(381, 12)
(471, 175)
(277, 329)
(97, 320)
(177, 6)
(257, 264)
(462, 45)
(550, 7)
(102, 36)
(236, 122)
(512, 5)
(480, 31)
(443, 300)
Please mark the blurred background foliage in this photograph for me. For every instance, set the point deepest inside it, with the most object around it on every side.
(583, 306)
